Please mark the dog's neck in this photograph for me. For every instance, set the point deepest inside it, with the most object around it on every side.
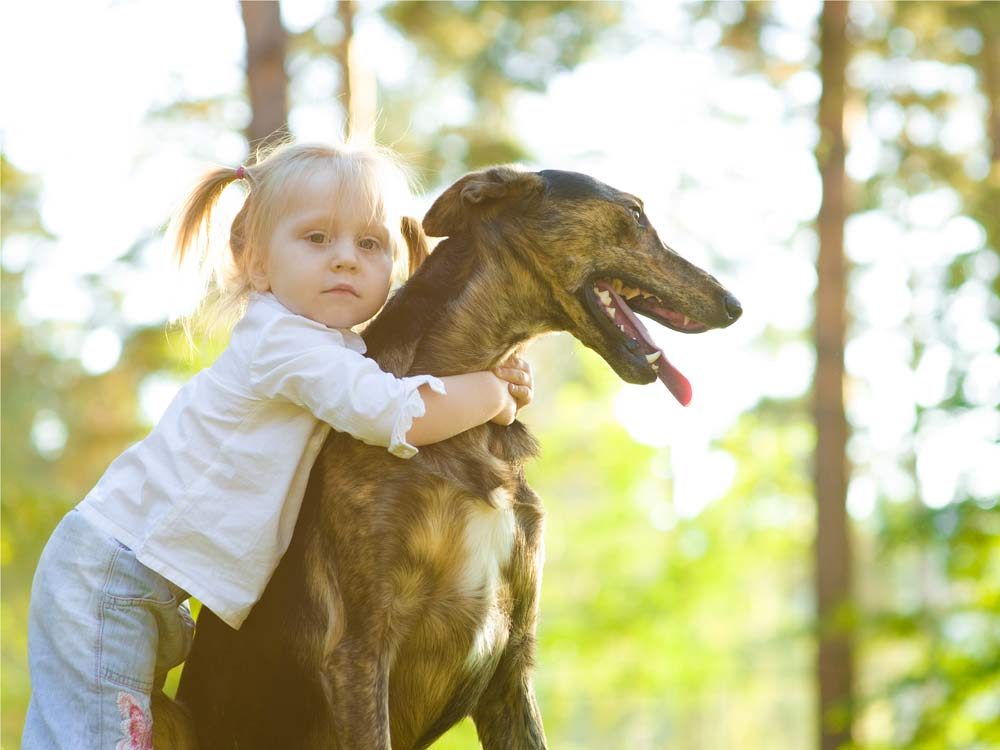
(470, 305)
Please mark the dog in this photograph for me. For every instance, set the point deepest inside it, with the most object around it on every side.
(408, 597)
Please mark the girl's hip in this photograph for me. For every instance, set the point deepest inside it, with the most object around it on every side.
(103, 629)
(81, 561)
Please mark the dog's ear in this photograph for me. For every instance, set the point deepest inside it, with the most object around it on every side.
(476, 196)
(416, 242)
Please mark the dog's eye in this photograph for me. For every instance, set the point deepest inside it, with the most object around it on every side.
(637, 214)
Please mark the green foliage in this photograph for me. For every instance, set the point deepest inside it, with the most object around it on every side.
(938, 624)
(927, 578)
(945, 693)
(485, 52)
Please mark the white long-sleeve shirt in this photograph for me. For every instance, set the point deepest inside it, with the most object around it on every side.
(210, 497)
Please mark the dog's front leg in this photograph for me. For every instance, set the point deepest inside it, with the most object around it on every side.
(357, 684)
(507, 716)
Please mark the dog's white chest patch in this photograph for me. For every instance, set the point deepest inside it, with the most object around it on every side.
(489, 540)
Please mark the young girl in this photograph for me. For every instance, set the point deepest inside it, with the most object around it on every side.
(206, 504)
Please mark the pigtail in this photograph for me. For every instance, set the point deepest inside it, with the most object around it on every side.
(191, 225)
(189, 233)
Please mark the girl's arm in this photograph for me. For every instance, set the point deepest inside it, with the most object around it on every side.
(292, 360)
(472, 399)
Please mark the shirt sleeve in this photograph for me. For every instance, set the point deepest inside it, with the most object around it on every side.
(313, 369)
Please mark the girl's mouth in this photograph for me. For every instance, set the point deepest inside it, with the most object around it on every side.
(342, 289)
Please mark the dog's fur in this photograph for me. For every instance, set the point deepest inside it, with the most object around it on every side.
(409, 595)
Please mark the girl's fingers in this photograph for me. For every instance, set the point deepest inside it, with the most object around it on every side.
(520, 375)
(511, 375)
(521, 394)
(517, 373)
(516, 363)
(513, 361)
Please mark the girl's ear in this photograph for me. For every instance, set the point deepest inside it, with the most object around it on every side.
(258, 275)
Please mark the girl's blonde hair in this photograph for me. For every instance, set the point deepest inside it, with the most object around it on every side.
(223, 271)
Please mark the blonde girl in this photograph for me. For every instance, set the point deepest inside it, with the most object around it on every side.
(206, 504)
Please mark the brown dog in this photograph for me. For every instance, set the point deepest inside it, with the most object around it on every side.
(409, 595)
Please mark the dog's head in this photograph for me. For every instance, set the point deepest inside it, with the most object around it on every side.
(592, 249)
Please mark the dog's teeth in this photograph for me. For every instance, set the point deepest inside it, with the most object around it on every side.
(621, 328)
(605, 297)
(616, 284)
(656, 368)
(651, 358)
(610, 311)
(686, 320)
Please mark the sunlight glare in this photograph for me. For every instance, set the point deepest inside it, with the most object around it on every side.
(156, 391)
(100, 351)
(48, 434)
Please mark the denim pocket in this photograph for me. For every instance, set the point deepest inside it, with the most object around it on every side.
(141, 640)
(135, 600)
(127, 645)
(129, 581)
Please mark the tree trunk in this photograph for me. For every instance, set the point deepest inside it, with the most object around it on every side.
(267, 80)
(991, 80)
(357, 81)
(833, 552)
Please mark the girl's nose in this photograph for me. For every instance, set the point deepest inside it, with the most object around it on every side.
(344, 256)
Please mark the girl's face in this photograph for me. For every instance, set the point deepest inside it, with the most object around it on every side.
(327, 259)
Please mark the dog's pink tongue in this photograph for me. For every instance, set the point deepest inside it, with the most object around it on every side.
(675, 381)
(669, 375)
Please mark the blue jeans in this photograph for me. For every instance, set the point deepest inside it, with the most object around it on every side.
(103, 630)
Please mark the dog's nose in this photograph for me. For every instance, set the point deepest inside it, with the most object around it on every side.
(733, 307)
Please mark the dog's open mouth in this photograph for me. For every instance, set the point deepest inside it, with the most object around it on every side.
(620, 303)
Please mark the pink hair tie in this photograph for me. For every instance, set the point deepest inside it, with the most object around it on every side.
(240, 172)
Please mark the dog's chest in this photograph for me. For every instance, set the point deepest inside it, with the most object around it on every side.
(465, 544)
(488, 541)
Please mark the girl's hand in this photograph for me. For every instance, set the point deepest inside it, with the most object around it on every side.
(520, 386)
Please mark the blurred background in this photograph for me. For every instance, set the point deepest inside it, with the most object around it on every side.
(808, 555)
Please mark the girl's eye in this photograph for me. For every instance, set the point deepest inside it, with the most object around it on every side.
(322, 237)
(369, 243)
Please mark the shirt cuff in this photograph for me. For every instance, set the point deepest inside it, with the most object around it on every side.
(413, 407)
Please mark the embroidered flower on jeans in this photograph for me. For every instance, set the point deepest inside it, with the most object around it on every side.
(137, 726)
